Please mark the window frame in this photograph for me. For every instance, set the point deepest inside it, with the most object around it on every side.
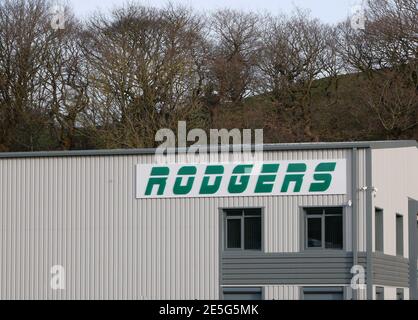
(382, 236)
(304, 227)
(242, 219)
(400, 293)
(322, 290)
(400, 245)
(243, 290)
(380, 292)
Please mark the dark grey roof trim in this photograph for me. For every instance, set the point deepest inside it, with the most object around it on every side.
(393, 144)
(267, 147)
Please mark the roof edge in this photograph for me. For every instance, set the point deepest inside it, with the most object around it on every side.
(212, 148)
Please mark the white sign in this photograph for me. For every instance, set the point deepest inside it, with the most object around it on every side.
(278, 178)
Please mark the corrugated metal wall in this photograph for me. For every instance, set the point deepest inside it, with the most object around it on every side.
(395, 175)
(313, 268)
(81, 212)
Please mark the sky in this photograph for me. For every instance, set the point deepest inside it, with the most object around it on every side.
(330, 11)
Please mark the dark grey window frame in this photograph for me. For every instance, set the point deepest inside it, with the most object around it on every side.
(400, 293)
(400, 238)
(379, 240)
(242, 290)
(304, 229)
(319, 290)
(380, 291)
(225, 230)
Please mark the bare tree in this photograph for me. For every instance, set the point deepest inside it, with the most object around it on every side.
(386, 55)
(117, 79)
(235, 46)
(296, 53)
(65, 80)
(24, 37)
(144, 76)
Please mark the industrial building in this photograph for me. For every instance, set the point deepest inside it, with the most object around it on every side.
(117, 225)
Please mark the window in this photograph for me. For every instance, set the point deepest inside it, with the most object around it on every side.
(378, 230)
(251, 294)
(399, 235)
(380, 293)
(400, 294)
(323, 293)
(324, 228)
(243, 229)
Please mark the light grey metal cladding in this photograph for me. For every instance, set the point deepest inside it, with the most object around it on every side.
(80, 212)
(390, 270)
(316, 268)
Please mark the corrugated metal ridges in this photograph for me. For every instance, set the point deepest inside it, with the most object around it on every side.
(81, 212)
(390, 270)
(298, 268)
(282, 292)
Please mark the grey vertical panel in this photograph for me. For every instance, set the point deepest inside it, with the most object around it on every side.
(399, 235)
(413, 244)
(395, 174)
(390, 270)
(369, 224)
(354, 210)
(362, 200)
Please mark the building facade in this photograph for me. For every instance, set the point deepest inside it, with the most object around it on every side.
(117, 225)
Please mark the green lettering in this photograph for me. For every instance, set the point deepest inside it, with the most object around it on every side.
(296, 178)
(207, 188)
(242, 171)
(185, 171)
(267, 178)
(158, 178)
(324, 178)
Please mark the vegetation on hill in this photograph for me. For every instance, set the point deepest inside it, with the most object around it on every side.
(114, 80)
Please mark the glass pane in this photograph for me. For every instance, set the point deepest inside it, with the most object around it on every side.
(234, 212)
(252, 212)
(399, 294)
(323, 296)
(380, 293)
(252, 233)
(337, 210)
(246, 296)
(233, 234)
(379, 230)
(314, 232)
(399, 235)
(315, 211)
(334, 232)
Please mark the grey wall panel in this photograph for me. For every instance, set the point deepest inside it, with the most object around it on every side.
(413, 247)
(81, 212)
(395, 175)
(297, 268)
(362, 201)
(390, 270)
